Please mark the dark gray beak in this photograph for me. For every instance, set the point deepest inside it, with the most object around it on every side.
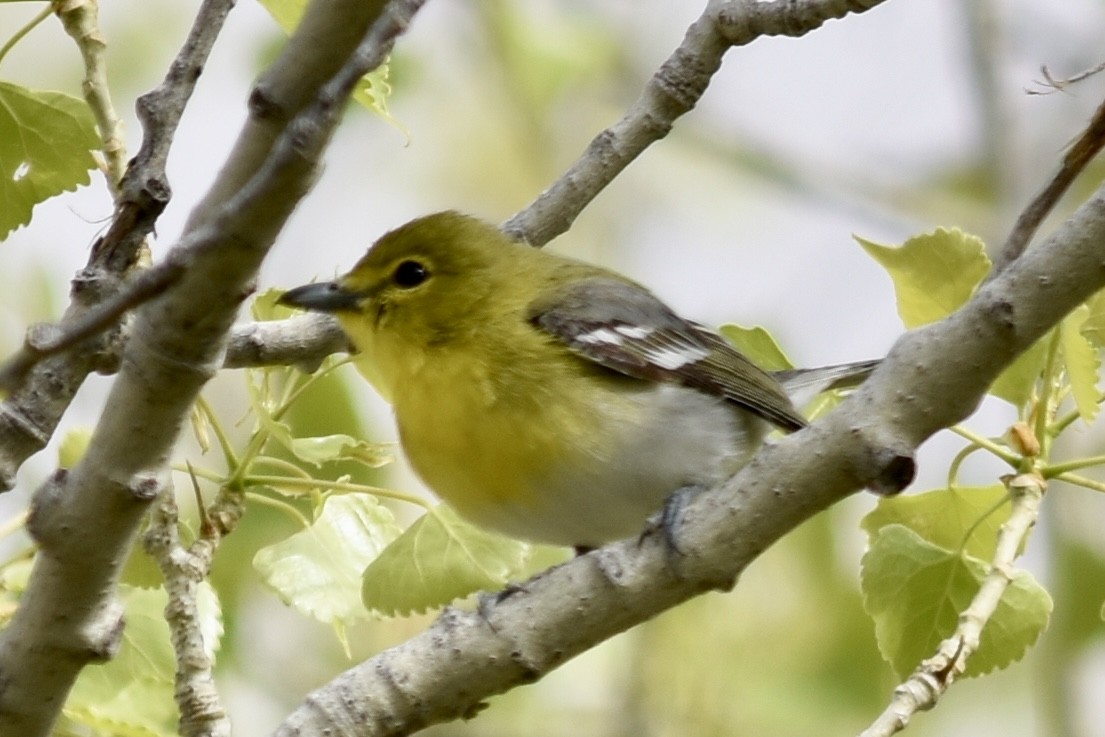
(322, 297)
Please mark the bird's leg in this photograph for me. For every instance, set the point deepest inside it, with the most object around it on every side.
(670, 517)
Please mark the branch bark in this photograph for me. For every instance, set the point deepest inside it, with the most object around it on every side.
(85, 521)
(41, 391)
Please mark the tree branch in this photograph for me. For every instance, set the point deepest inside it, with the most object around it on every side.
(80, 20)
(185, 568)
(1078, 157)
(85, 521)
(45, 386)
(301, 341)
(674, 90)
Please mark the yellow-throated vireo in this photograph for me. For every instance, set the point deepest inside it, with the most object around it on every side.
(547, 398)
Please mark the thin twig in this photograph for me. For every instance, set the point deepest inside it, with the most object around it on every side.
(45, 341)
(673, 90)
(81, 22)
(927, 684)
(145, 190)
(1051, 84)
(43, 14)
(1080, 154)
(29, 415)
(184, 569)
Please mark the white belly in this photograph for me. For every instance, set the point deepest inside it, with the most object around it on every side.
(688, 438)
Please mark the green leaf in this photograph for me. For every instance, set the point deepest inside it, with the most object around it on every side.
(319, 450)
(1017, 383)
(1081, 361)
(944, 516)
(263, 401)
(758, 345)
(915, 591)
(933, 274)
(286, 13)
(46, 140)
(1094, 327)
(265, 307)
(318, 571)
(72, 446)
(132, 694)
(141, 570)
(373, 89)
(211, 618)
(438, 559)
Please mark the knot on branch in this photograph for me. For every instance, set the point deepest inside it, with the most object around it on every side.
(889, 466)
(45, 526)
(263, 106)
(102, 635)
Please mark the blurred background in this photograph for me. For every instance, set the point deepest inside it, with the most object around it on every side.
(884, 125)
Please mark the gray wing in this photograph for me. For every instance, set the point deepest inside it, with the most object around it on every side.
(624, 327)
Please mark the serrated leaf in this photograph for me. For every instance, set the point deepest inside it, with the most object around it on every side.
(933, 274)
(1081, 362)
(915, 592)
(1017, 383)
(132, 694)
(46, 140)
(438, 559)
(318, 570)
(265, 306)
(758, 345)
(262, 403)
(211, 618)
(944, 516)
(141, 570)
(373, 89)
(138, 707)
(1094, 327)
(318, 450)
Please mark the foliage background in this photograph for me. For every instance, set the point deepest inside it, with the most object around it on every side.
(882, 125)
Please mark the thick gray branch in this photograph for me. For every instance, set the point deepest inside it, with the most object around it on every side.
(300, 341)
(85, 521)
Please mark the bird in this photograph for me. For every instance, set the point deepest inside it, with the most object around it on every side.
(545, 398)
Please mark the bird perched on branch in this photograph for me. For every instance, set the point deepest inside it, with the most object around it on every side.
(546, 398)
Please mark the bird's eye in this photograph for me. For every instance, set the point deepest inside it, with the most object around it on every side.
(409, 274)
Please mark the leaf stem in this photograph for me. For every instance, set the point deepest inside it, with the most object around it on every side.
(282, 506)
(960, 457)
(1046, 405)
(43, 14)
(286, 466)
(225, 445)
(1058, 469)
(15, 523)
(338, 486)
(1079, 480)
(1013, 459)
